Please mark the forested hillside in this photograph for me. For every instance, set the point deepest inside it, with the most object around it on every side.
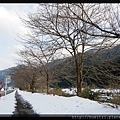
(104, 70)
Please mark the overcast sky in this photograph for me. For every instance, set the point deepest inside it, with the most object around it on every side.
(10, 25)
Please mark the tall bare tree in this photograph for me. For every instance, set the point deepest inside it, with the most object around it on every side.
(75, 27)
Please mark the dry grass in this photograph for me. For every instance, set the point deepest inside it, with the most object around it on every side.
(115, 100)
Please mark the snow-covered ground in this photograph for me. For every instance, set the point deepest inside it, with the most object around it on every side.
(7, 104)
(54, 104)
(72, 91)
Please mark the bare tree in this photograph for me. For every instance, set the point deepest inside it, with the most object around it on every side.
(19, 77)
(24, 77)
(75, 28)
(41, 52)
(104, 18)
(27, 70)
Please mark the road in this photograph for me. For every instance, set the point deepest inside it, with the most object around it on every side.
(7, 92)
(23, 108)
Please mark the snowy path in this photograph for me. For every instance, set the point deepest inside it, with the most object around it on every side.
(23, 108)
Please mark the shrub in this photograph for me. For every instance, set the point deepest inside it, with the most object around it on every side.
(58, 91)
(87, 93)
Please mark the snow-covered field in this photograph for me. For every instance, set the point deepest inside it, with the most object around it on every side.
(49, 104)
(72, 91)
(54, 104)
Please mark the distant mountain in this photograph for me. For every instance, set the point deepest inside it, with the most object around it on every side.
(110, 57)
(56, 62)
(109, 53)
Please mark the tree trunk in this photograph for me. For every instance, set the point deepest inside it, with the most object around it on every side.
(47, 83)
(32, 86)
(79, 76)
(79, 81)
